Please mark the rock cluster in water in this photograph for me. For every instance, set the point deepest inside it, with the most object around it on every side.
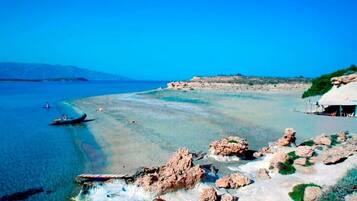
(181, 173)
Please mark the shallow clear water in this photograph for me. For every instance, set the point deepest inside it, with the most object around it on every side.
(34, 154)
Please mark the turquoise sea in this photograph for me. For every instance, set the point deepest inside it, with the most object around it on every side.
(37, 156)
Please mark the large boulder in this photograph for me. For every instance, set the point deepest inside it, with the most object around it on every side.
(235, 180)
(288, 137)
(323, 139)
(335, 155)
(277, 159)
(230, 146)
(178, 173)
(304, 151)
(312, 193)
(208, 194)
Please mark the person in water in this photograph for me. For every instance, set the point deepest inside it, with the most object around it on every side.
(47, 105)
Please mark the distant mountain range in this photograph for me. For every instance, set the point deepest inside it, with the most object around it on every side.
(12, 71)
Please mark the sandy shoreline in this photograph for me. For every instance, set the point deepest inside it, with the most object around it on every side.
(143, 129)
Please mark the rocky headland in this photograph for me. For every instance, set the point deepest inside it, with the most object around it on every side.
(239, 83)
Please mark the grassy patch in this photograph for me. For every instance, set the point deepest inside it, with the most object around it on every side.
(308, 143)
(292, 156)
(232, 141)
(308, 163)
(298, 191)
(287, 168)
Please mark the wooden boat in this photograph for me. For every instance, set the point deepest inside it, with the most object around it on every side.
(80, 119)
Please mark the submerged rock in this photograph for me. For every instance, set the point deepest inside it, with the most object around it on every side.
(304, 151)
(230, 146)
(235, 180)
(323, 139)
(312, 193)
(178, 173)
(263, 173)
(288, 137)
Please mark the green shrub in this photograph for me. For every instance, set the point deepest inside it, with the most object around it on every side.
(334, 140)
(298, 191)
(232, 141)
(347, 185)
(308, 143)
(287, 168)
(322, 84)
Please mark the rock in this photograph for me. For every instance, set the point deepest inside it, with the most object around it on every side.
(312, 193)
(257, 154)
(342, 136)
(335, 155)
(230, 146)
(222, 183)
(323, 139)
(277, 159)
(178, 173)
(288, 137)
(208, 194)
(304, 151)
(263, 173)
(351, 197)
(159, 199)
(300, 161)
(228, 197)
(235, 180)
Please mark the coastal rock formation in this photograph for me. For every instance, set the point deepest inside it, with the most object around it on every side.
(339, 154)
(208, 194)
(288, 137)
(235, 180)
(323, 139)
(304, 151)
(277, 160)
(263, 173)
(344, 79)
(178, 173)
(230, 146)
(312, 193)
(240, 83)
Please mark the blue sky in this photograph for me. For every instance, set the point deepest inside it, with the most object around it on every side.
(169, 40)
